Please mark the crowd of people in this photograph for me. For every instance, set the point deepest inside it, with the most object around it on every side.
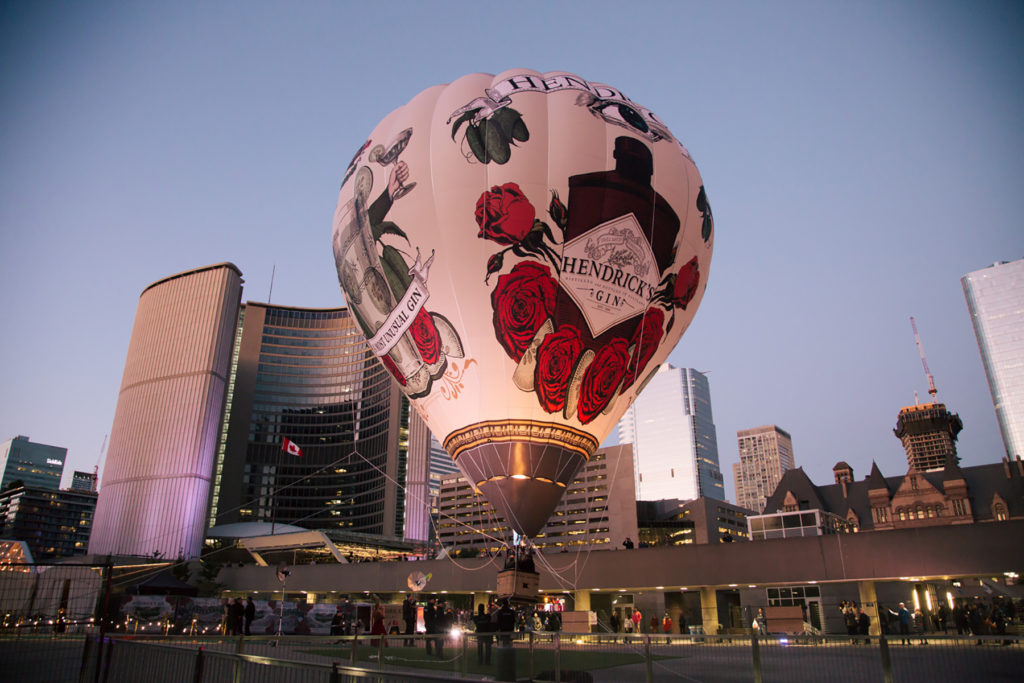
(238, 616)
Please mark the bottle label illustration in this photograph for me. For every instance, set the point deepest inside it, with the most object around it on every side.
(608, 273)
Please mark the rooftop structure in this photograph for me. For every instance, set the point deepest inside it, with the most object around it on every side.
(928, 433)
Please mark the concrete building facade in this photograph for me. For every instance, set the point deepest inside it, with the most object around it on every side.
(766, 453)
(156, 481)
(995, 301)
(672, 431)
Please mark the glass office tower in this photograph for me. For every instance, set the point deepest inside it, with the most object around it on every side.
(675, 445)
(995, 300)
(33, 464)
(308, 376)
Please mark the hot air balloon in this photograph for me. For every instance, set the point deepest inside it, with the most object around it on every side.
(522, 252)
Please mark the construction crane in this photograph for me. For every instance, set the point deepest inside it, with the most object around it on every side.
(99, 459)
(928, 373)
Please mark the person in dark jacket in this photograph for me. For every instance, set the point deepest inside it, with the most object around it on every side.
(430, 623)
(903, 617)
(506, 622)
(237, 616)
(409, 617)
(443, 620)
(250, 614)
(863, 624)
(484, 634)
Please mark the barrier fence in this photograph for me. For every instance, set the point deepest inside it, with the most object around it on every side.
(76, 658)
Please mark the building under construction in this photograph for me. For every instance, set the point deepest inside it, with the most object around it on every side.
(928, 432)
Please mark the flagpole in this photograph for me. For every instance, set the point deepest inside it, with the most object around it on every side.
(277, 489)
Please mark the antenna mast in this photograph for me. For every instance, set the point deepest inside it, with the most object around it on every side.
(931, 380)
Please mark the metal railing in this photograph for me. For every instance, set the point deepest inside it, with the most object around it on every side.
(539, 656)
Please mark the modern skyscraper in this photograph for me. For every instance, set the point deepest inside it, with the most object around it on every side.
(928, 433)
(33, 464)
(995, 300)
(308, 376)
(675, 446)
(765, 453)
(156, 482)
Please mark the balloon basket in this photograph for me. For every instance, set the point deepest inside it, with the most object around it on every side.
(518, 585)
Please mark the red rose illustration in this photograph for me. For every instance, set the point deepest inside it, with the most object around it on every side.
(645, 342)
(686, 284)
(393, 369)
(424, 333)
(522, 300)
(602, 378)
(504, 214)
(556, 359)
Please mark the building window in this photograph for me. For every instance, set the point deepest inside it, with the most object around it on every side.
(959, 508)
(999, 512)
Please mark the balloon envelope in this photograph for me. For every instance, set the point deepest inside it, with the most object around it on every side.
(522, 251)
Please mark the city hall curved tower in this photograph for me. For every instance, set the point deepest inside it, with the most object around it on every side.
(156, 480)
(306, 375)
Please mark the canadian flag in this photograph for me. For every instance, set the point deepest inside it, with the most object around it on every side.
(291, 447)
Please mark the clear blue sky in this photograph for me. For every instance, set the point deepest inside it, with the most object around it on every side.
(860, 158)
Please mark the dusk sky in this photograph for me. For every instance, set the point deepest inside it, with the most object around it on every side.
(860, 159)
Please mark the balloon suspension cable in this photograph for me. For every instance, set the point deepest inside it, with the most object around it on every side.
(421, 501)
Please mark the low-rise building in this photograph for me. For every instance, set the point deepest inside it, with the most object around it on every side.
(681, 522)
(952, 495)
(54, 524)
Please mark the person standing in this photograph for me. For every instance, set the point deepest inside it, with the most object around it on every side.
(484, 637)
(863, 625)
(237, 616)
(943, 616)
(919, 624)
(903, 617)
(443, 623)
(225, 626)
(377, 627)
(430, 623)
(762, 622)
(409, 617)
(250, 614)
(638, 620)
(506, 623)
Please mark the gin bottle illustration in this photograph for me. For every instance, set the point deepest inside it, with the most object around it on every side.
(369, 296)
(619, 239)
